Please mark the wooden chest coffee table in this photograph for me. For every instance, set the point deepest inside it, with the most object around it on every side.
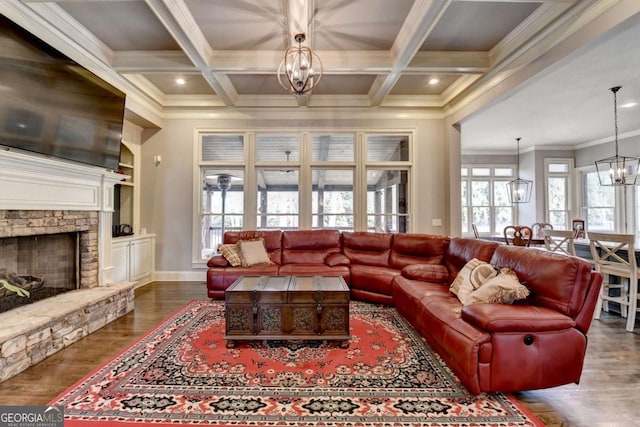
(287, 307)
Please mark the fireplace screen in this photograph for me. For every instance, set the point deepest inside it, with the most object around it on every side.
(33, 268)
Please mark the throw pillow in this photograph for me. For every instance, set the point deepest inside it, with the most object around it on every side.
(478, 276)
(504, 288)
(463, 275)
(253, 252)
(231, 253)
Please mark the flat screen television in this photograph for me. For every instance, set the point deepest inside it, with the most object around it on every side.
(51, 105)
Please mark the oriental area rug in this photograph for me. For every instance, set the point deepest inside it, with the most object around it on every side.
(182, 373)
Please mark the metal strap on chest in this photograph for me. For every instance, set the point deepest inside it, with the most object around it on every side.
(317, 285)
(254, 297)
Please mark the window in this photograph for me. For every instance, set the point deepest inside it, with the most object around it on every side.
(387, 201)
(221, 188)
(295, 179)
(485, 200)
(222, 201)
(558, 192)
(278, 199)
(332, 199)
(599, 204)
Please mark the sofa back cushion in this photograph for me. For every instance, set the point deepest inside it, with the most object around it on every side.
(309, 246)
(272, 241)
(367, 248)
(462, 250)
(556, 281)
(407, 249)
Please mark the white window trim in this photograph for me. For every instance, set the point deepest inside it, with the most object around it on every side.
(571, 187)
(250, 164)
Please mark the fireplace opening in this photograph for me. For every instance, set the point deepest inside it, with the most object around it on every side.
(33, 268)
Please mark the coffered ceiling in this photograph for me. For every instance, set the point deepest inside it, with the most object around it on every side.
(375, 53)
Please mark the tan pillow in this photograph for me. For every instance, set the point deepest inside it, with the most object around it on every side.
(478, 276)
(464, 274)
(504, 288)
(253, 252)
(231, 252)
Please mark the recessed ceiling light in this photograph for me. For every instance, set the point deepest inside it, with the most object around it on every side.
(180, 81)
(629, 105)
(434, 81)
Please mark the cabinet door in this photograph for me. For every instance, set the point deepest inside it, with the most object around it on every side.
(120, 260)
(140, 253)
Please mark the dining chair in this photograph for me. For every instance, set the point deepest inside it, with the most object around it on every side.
(614, 255)
(518, 235)
(475, 231)
(559, 241)
(539, 227)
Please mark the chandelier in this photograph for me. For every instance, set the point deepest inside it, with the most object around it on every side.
(519, 189)
(617, 170)
(300, 69)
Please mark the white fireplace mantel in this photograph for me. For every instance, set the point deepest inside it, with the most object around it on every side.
(34, 182)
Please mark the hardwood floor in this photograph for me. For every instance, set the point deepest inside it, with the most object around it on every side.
(608, 394)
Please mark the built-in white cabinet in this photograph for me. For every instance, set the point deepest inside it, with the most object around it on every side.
(133, 259)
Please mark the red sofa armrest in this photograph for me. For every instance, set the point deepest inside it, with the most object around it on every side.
(336, 259)
(515, 318)
(217, 261)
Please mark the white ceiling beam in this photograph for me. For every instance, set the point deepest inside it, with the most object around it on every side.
(422, 18)
(334, 62)
(299, 14)
(177, 19)
(450, 62)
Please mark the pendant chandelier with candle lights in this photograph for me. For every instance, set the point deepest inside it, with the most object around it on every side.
(301, 68)
(618, 170)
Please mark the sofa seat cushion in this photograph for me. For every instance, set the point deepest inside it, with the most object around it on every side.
(414, 290)
(516, 318)
(373, 279)
(313, 269)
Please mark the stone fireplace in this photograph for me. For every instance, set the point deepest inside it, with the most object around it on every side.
(41, 199)
(47, 253)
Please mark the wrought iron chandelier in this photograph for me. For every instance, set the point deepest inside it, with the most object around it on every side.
(617, 170)
(519, 189)
(301, 69)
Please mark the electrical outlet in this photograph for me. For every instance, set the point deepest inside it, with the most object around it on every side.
(436, 222)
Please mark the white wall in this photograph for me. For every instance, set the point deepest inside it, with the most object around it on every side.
(167, 188)
(588, 155)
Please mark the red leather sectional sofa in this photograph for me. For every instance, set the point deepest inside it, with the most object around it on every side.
(536, 343)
